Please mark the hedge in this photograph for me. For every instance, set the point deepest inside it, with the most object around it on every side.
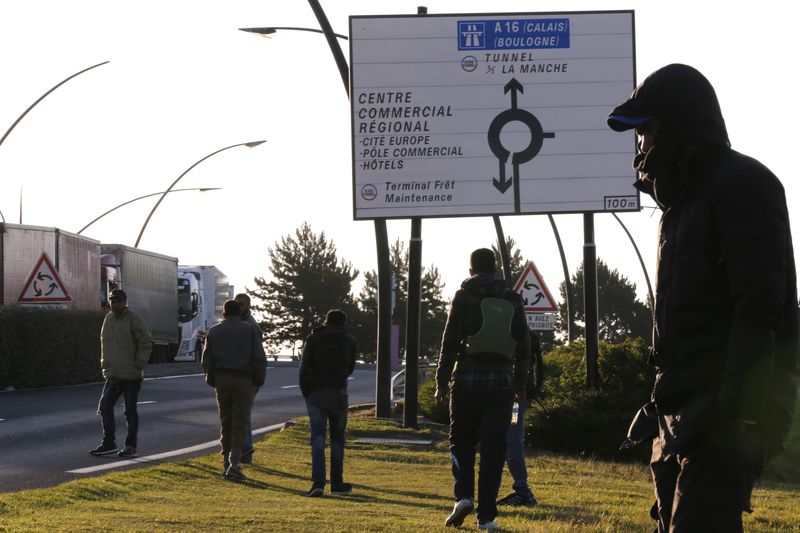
(42, 347)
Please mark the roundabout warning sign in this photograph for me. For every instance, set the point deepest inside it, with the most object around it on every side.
(44, 286)
(470, 115)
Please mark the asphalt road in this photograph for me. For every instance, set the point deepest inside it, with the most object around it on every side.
(46, 434)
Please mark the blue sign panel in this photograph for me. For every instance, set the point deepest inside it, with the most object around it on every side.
(513, 34)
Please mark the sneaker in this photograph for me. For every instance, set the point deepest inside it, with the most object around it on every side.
(461, 509)
(127, 451)
(104, 449)
(315, 491)
(515, 499)
(489, 525)
(234, 473)
(341, 488)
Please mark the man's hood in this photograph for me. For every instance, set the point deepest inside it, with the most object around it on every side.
(484, 285)
(682, 100)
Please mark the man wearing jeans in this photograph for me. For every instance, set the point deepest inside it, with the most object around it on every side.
(329, 357)
(125, 345)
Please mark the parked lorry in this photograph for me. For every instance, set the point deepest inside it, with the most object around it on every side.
(149, 280)
(202, 291)
(75, 261)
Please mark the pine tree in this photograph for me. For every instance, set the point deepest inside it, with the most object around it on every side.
(307, 280)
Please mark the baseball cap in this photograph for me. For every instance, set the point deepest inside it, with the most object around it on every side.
(629, 114)
(118, 294)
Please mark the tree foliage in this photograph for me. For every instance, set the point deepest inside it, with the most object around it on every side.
(620, 314)
(433, 308)
(307, 280)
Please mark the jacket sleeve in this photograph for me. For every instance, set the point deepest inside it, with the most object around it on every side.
(307, 366)
(142, 340)
(259, 365)
(451, 339)
(353, 356)
(207, 359)
(754, 231)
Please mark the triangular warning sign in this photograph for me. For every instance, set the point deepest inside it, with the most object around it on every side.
(535, 295)
(44, 284)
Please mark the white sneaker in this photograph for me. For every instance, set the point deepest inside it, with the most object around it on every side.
(460, 511)
(489, 526)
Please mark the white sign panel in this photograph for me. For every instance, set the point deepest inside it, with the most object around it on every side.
(540, 322)
(490, 114)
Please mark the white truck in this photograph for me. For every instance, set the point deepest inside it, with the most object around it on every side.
(202, 291)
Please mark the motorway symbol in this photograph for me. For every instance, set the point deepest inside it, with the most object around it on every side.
(44, 284)
(537, 137)
(536, 297)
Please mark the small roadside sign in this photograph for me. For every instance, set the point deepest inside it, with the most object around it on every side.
(44, 285)
(535, 296)
(541, 321)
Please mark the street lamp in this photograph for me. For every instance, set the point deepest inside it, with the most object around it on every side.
(251, 144)
(14, 125)
(272, 29)
(201, 189)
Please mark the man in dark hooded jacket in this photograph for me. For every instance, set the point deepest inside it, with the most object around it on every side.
(725, 338)
(329, 357)
(484, 363)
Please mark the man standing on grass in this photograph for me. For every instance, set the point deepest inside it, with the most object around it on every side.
(725, 341)
(234, 362)
(244, 305)
(329, 357)
(484, 363)
(125, 344)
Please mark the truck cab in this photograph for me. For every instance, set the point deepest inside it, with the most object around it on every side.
(202, 291)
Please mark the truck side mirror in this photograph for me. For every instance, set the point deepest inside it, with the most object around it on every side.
(194, 305)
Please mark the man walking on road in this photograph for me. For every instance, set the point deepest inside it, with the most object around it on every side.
(125, 345)
(484, 363)
(235, 365)
(329, 357)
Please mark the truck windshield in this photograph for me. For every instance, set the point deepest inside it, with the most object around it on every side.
(185, 313)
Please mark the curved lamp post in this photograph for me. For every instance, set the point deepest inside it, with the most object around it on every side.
(53, 88)
(201, 189)
(251, 144)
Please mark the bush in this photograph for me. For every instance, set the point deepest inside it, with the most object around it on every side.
(42, 347)
(591, 421)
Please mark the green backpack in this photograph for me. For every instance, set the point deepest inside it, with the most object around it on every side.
(495, 333)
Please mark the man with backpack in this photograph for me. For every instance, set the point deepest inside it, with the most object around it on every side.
(484, 363)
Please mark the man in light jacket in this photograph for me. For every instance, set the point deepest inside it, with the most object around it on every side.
(125, 344)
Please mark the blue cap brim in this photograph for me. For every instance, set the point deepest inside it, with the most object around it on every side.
(625, 122)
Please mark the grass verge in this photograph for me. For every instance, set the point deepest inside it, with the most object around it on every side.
(397, 488)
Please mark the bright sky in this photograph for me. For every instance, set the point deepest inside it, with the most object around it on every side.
(182, 82)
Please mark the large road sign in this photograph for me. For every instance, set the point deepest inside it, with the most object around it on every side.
(460, 115)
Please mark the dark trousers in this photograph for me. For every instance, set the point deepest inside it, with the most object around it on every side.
(235, 395)
(705, 489)
(327, 408)
(112, 390)
(479, 417)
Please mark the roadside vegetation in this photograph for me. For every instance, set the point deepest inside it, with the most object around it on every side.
(397, 488)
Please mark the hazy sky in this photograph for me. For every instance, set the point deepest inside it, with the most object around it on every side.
(182, 82)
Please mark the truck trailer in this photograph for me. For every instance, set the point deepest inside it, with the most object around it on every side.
(75, 260)
(202, 291)
(149, 280)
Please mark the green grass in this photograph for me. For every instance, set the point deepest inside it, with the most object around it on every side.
(397, 488)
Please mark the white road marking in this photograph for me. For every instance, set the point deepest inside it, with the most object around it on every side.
(148, 401)
(290, 386)
(174, 377)
(166, 455)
